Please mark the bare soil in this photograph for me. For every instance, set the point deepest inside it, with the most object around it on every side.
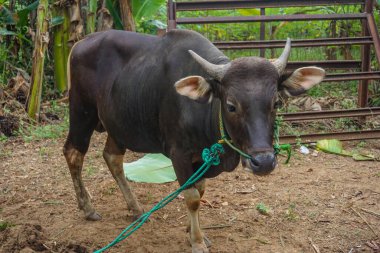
(322, 203)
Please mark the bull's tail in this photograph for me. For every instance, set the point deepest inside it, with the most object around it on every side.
(68, 66)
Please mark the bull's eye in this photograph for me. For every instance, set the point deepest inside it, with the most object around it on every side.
(231, 108)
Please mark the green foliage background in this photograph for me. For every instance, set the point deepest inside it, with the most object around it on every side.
(16, 31)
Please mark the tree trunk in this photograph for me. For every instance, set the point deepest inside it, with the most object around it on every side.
(76, 23)
(105, 21)
(126, 15)
(40, 46)
(331, 51)
(91, 16)
(59, 53)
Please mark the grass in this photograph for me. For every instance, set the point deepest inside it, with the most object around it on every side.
(262, 209)
(3, 138)
(110, 190)
(290, 213)
(30, 132)
(5, 224)
(91, 170)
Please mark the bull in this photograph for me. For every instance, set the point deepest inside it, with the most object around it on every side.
(163, 95)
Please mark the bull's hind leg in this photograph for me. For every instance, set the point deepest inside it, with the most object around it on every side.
(82, 124)
(114, 159)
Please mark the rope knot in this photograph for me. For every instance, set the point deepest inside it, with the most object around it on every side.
(211, 156)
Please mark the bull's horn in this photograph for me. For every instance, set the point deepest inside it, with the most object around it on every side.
(216, 71)
(281, 62)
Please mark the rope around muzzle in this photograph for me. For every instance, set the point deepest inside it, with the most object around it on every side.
(210, 157)
(276, 136)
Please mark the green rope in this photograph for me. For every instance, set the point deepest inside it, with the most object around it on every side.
(210, 158)
(277, 146)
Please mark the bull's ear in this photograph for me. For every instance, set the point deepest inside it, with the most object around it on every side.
(301, 80)
(195, 87)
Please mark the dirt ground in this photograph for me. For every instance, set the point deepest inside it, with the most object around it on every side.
(321, 203)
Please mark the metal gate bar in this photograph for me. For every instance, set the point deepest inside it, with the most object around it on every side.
(343, 136)
(245, 4)
(314, 115)
(297, 17)
(256, 44)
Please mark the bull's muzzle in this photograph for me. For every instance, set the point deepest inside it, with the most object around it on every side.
(262, 163)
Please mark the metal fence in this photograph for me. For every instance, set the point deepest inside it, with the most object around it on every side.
(363, 73)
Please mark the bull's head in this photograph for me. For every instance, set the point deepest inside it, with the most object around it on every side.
(248, 89)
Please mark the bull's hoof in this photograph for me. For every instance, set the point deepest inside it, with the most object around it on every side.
(199, 248)
(137, 213)
(93, 216)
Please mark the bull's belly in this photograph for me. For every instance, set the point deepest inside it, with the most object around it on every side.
(137, 141)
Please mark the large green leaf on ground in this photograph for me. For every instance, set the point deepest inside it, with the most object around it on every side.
(152, 168)
(332, 146)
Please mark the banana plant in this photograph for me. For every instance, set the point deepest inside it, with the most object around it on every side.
(40, 46)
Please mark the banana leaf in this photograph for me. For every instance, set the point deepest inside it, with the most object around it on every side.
(152, 168)
(335, 146)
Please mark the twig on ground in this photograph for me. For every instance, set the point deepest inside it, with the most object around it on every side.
(216, 226)
(315, 247)
(60, 232)
(207, 202)
(370, 212)
(366, 222)
(262, 241)
(180, 217)
(282, 241)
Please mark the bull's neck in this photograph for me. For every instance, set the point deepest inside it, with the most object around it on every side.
(231, 157)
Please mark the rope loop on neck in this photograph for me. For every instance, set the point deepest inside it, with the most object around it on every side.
(211, 155)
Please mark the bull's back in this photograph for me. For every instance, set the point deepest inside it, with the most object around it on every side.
(96, 61)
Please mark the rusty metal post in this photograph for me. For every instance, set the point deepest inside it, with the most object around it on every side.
(262, 32)
(172, 24)
(365, 57)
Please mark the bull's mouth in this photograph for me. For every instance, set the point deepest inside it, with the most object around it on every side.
(260, 164)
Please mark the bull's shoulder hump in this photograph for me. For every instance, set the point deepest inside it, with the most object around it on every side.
(112, 39)
(184, 34)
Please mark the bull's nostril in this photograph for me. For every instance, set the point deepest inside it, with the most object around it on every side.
(255, 162)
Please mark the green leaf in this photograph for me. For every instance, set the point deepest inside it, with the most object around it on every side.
(23, 14)
(361, 157)
(145, 8)
(261, 208)
(332, 146)
(249, 12)
(6, 32)
(6, 16)
(152, 168)
(58, 20)
(115, 15)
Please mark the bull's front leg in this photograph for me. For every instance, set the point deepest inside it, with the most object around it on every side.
(193, 200)
(183, 166)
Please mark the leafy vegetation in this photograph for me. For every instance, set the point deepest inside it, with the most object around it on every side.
(263, 209)
(70, 20)
(5, 224)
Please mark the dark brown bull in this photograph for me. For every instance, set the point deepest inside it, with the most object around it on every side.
(151, 94)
